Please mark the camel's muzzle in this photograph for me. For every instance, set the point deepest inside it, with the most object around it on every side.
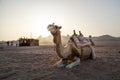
(52, 30)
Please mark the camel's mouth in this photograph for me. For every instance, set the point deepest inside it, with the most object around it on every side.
(48, 28)
(51, 29)
(53, 32)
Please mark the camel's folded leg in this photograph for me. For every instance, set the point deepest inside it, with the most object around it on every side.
(60, 63)
(75, 63)
(93, 56)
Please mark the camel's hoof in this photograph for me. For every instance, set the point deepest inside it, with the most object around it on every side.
(69, 66)
(60, 66)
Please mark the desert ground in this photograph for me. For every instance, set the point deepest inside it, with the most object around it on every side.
(36, 63)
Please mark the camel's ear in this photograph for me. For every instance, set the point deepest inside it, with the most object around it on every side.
(60, 27)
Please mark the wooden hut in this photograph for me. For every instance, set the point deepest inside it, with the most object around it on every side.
(28, 42)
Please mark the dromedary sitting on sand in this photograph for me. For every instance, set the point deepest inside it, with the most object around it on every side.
(70, 54)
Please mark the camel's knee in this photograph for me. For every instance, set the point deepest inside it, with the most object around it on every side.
(77, 59)
(60, 63)
(93, 55)
(75, 63)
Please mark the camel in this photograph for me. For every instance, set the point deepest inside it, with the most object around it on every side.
(70, 54)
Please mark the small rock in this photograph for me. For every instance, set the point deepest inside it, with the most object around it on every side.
(118, 51)
(1, 47)
(5, 73)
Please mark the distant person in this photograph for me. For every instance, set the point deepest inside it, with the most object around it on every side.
(7, 43)
(11, 43)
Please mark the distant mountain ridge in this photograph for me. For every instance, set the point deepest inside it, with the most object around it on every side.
(106, 37)
(49, 39)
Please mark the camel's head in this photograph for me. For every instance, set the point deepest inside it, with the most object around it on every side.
(54, 29)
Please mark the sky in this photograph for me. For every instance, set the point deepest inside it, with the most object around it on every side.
(30, 18)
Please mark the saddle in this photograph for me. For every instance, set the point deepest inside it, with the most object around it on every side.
(80, 40)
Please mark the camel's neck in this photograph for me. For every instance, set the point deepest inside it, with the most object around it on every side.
(59, 47)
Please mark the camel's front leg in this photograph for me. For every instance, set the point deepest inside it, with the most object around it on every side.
(60, 63)
(75, 63)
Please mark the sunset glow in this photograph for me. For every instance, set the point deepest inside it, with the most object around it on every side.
(28, 18)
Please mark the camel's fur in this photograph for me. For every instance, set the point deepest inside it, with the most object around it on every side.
(70, 55)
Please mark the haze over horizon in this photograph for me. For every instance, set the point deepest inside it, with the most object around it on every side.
(20, 18)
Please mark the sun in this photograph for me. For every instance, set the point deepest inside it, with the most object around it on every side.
(39, 26)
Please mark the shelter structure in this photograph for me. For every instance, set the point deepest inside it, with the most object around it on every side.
(28, 42)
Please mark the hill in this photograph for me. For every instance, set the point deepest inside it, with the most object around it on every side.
(106, 37)
(49, 39)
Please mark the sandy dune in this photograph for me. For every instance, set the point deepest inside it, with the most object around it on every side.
(36, 63)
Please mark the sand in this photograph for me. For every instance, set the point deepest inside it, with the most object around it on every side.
(36, 63)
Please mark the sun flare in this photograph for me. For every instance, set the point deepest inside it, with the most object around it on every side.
(40, 28)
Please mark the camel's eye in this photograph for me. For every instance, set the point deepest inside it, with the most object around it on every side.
(56, 26)
(60, 27)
